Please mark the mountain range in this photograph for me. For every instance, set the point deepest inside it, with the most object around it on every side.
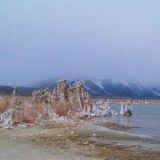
(115, 88)
(101, 88)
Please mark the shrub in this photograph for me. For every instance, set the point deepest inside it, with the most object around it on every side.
(41, 109)
(4, 104)
(64, 108)
(30, 114)
(27, 115)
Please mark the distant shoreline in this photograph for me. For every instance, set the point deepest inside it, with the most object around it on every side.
(126, 100)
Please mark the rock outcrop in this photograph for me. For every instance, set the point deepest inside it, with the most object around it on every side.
(62, 91)
(75, 94)
(80, 97)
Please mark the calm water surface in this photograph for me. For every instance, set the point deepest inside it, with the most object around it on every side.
(145, 117)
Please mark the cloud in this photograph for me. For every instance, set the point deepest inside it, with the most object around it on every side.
(85, 39)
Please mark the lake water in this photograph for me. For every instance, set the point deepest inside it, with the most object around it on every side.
(146, 119)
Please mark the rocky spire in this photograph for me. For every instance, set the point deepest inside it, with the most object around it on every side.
(74, 94)
(61, 92)
(79, 96)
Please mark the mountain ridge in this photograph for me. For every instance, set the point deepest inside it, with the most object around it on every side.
(97, 88)
(114, 88)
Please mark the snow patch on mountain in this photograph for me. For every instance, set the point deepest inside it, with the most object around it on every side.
(99, 84)
(111, 87)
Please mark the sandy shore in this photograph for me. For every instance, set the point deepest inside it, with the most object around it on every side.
(77, 141)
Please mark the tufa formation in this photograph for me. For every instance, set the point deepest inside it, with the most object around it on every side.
(64, 92)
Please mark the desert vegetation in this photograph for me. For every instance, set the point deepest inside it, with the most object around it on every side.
(4, 104)
(36, 112)
(64, 109)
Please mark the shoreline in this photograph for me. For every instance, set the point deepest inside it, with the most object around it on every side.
(80, 139)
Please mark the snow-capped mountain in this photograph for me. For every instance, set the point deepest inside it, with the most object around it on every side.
(115, 88)
(121, 89)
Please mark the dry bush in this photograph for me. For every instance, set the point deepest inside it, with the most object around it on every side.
(4, 104)
(37, 111)
(30, 114)
(38, 107)
(64, 108)
(27, 115)
(41, 109)
(18, 102)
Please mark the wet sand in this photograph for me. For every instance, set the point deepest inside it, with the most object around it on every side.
(82, 140)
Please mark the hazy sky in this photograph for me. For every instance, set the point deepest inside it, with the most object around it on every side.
(82, 39)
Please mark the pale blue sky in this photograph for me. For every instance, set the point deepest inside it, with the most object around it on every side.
(82, 39)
